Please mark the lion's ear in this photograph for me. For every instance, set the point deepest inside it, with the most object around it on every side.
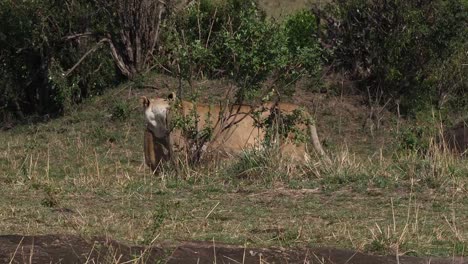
(171, 96)
(145, 101)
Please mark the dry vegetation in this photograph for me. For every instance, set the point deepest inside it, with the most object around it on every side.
(84, 174)
(279, 9)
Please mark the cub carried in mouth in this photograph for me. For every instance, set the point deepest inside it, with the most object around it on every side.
(175, 127)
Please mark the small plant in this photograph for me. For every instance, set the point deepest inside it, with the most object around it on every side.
(265, 166)
(120, 110)
(195, 138)
(51, 198)
(158, 216)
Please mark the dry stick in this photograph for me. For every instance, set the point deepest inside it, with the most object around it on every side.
(150, 86)
(89, 52)
(16, 250)
(206, 217)
(221, 120)
(214, 251)
(79, 35)
(97, 164)
(211, 27)
(180, 89)
(379, 116)
(238, 112)
(158, 65)
(144, 251)
(156, 33)
(88, 258)
(243, 255)
(31, 252)
(48, 162)
(198, 22)
(399, 116)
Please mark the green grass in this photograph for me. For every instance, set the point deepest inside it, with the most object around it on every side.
(84, 174)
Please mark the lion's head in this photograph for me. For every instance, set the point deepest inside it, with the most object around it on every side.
(156, 114)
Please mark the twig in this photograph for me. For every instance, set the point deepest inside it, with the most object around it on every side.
(211, 28)
(79, 35)
(16, 250)
(150, 86)
(212, 210)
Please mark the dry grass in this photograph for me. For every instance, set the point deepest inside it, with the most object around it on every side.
(278, 9)
(84, 174)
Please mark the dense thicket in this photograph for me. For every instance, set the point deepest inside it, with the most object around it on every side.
(412, 52)
(55, 53)
(36, 59)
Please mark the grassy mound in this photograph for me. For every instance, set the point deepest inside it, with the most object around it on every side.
(84, 174)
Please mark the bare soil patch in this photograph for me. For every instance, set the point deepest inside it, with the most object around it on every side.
(74, 249)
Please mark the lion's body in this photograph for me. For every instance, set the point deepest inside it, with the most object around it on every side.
(232, 129)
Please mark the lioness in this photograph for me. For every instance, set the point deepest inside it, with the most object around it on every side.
(179, 126)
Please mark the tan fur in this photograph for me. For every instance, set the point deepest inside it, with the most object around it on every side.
(155, 152)
(241, 135)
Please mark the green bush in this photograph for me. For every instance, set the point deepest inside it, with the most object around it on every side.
(397, 49)
(301, 30)
(120, 110)
(235, 40)
(35, 57)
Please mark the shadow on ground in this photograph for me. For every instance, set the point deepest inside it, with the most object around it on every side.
(73, 249)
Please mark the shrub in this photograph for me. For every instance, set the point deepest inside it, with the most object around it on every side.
(393, 47)
(120, 110)
(235, 40)
(35, 60)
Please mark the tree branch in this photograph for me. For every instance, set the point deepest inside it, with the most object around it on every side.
(118, 59)
(93, 49)
(78, 35)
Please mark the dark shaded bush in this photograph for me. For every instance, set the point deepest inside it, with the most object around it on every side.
(36, 60)
(410, 51)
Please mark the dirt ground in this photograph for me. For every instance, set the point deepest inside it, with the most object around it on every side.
(73, 249)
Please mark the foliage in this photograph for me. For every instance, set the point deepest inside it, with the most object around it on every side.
(280, 126)
(120, 110)
(449, 80)
(393, 47)
(36, 60)
(131, 29)
(412, 53)
(56, 54)
(235, 40)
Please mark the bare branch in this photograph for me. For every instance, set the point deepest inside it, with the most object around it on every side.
(89, 52)
(118, 59)
(78, 35)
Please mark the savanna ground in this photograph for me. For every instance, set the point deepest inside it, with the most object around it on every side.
(72, 186)
(83, 174)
